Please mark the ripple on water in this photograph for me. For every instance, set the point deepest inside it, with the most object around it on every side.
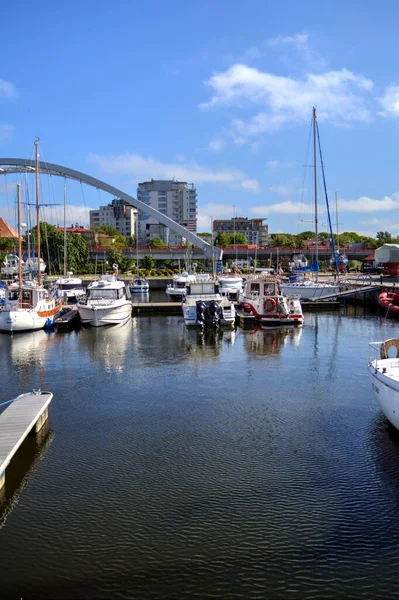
(234, 465)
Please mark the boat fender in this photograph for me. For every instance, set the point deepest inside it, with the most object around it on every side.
(385, 346)
(269, 304)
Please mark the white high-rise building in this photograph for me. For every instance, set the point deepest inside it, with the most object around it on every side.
(118, 214)
(175, 199)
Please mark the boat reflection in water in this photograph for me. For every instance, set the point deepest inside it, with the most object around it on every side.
(21, 467)
(108, 344)
(268, 341)
(207, 344)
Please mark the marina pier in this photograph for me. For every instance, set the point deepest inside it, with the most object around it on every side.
(26, 413)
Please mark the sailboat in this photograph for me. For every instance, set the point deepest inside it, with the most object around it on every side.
(309, 289)
(28, 305)
(71, 288)
(139, 285)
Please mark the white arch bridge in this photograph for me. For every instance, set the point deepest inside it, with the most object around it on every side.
(23, 165)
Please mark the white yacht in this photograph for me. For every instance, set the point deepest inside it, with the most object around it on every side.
(307, 289)
(262, 297)
(10, 265)
(107, 303)
(139, 285)
(384, 372)
(231, 285)
(71, 288)
(178, 288)
(30, 266)
(204, 306)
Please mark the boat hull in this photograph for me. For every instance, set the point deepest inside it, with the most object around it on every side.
(99, 316)
(309, 292)
(15, 321)
(389, 301)
(386, 395)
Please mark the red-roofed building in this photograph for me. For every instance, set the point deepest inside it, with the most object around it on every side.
(6, 231)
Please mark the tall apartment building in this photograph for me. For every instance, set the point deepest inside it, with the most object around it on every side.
(175, 199)
(118, 214)
(254, 230)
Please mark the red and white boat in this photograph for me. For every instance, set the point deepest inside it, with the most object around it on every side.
(262, 297)
(389, 301)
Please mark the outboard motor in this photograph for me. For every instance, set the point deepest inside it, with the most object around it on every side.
(214, 312)
(201, 310)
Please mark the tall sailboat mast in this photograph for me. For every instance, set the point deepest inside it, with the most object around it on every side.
(316, 222)
(65, 235)
(37, 208)
(19, 241)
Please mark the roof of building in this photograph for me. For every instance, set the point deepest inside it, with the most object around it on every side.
(6, 231)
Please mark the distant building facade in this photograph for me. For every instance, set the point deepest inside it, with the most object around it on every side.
(175, 199)
(118, 214)
(254, 230)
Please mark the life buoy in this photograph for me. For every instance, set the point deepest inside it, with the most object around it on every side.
(385, 346)
(269, 304)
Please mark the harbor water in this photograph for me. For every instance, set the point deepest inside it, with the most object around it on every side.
(244, 464)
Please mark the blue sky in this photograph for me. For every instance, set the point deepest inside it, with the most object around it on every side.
(217, 93)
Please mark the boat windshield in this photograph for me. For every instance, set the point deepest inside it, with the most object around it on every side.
(101, 294)
(71, 286)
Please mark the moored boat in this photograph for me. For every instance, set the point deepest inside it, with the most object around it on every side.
(139, 285)
(389, 301)
(107, 303)
(204, 306)
(262, 297)
(231, 285)
(71, 288)
(177, 290)
(308, 289)
(384, 372)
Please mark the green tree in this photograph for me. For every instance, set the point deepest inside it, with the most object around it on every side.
(229, 239)
(157, 242)
(115, 256)
(107, 229)
(120, 241)
(8, 243)
(384, 237)
(148, 262)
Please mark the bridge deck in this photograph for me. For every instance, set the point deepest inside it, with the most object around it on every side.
(16, 422)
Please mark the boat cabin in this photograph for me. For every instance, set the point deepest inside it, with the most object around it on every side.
(203, 288)
(262, 288)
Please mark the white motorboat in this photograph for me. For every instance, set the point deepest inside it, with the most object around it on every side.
(139, 285)
(10, 266)
(107, 303)
(307, 289)
(204, 306)
(71, 288)
(29, 267)
(231, 285)
(178, 288)
(384, 372)
(262, 297)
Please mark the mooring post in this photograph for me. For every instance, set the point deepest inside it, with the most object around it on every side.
(41, 420)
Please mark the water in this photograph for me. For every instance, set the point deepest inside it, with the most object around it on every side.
(240, 464)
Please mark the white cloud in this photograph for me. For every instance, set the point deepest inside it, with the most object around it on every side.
(300, 44)
(366, 204)
(6, 133)
(216, 145)
(8, 90)
(286, 208)
(390, 101)
(273, 165)
(282, 189)
(342, 96)
(142, 168)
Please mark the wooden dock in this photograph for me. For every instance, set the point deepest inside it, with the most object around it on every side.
(26, 413)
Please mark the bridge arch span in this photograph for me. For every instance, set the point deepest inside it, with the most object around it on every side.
(23, 165)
